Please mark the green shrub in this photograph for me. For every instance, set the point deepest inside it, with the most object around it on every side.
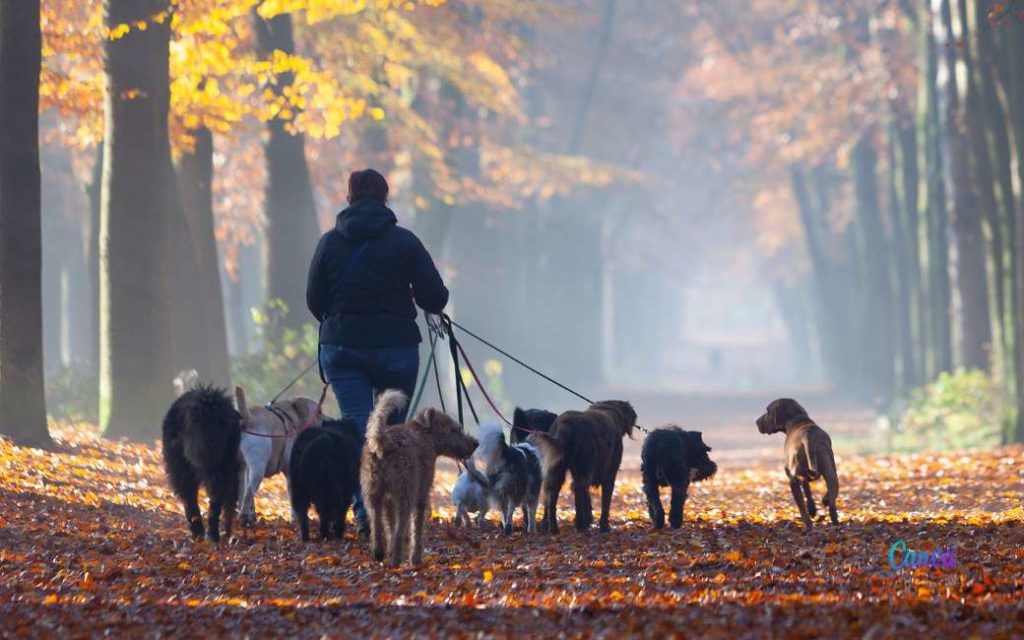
(962, 410)
(72, 395)
(284, 354)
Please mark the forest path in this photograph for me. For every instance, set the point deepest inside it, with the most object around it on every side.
(727, 420)
(93, 542)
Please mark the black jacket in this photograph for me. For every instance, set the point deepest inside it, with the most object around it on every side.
(366, 274)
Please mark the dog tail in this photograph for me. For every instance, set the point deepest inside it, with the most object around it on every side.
(211, 429)
(388, 403)
(243, 409)
(492, 445)
(475, 475)
(812, 464)
(551, 448)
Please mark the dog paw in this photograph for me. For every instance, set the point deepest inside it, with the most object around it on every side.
(378, 555)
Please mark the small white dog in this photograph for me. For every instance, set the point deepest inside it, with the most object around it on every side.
(268, 434)
(470, 495)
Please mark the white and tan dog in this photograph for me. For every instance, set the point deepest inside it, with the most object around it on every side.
(268, 434)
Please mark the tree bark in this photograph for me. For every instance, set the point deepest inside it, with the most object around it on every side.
(873, 258)
(139, 194)
(292, 228)
(936, 220)
(22, 397)
(195, 176)
(974, 334)
(1014, 44)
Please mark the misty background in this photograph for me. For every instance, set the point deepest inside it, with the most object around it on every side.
(689, 199)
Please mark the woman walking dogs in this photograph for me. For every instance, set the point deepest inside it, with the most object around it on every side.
(366, 274)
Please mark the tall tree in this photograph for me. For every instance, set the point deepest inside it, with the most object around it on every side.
(22, 398)
(195, 174)
(974, 332)
(138, 194)
(292, 229)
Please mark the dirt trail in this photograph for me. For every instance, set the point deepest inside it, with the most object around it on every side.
(727, 420)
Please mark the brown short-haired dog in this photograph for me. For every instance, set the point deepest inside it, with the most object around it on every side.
(588, 444)
(397, 472)
(808, 454)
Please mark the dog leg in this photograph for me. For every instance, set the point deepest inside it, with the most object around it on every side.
(303, 518)
(831, 493)
(460, 516)
(530, 516)
(654, 508)
(325, 523)
(401, 534)
(507, 514)
(188, 489)
(794, 485)
(339, 518)
(584, 509)
(213, 517)
(607, 488)
(677, 504)
(479, 519)
(812, 510)
(376, 529)
(230, 503)
(419, 521)
(553, 482)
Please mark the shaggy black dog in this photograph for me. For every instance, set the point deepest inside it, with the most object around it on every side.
(324, 471)
(525, 421)
(200, 435)
(673, 458)
(513, 475)
(589, 445)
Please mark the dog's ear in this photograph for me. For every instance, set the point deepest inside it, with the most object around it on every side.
(519, 417)
(306, 410)
(624, 414)
(787, 410)
(243, 410)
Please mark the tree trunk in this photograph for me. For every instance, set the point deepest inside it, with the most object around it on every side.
(936, 220)
(1014, 39)
(907, 133)
(974, 334)
(291, 228)
(22, 397)
(873, 258)
(139, 194)
(902, 273)
(195, 175)
(94, 191)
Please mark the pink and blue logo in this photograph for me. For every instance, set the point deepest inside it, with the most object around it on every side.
(902, 557)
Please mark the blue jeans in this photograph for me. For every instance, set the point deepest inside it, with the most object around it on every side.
(357, 375)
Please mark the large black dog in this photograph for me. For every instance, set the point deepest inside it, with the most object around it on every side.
(589, 445)
(201, 432)
(527, 421)
(324, 471)
(673, 458)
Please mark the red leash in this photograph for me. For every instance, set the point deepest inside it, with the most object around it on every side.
(483, 390)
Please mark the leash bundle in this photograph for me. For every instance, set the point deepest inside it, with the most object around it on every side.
(443, 327)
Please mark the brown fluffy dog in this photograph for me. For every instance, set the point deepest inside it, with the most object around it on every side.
(808, 454)
(589, 445)
(397, 472)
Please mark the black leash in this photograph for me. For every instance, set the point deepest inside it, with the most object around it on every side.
(294, 380)
(520, 362)
(448, 323)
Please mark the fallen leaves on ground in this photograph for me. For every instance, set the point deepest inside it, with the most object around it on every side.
(92, 540)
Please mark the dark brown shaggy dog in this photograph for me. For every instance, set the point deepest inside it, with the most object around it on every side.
(397, 472)
(808, 454)
(587, 444)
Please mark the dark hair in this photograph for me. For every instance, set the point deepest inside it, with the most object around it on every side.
(367, 184)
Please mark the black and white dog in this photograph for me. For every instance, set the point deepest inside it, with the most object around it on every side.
(513, 475)
(201, 432)
(324, 471)
(528, 421)
(672, 457)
